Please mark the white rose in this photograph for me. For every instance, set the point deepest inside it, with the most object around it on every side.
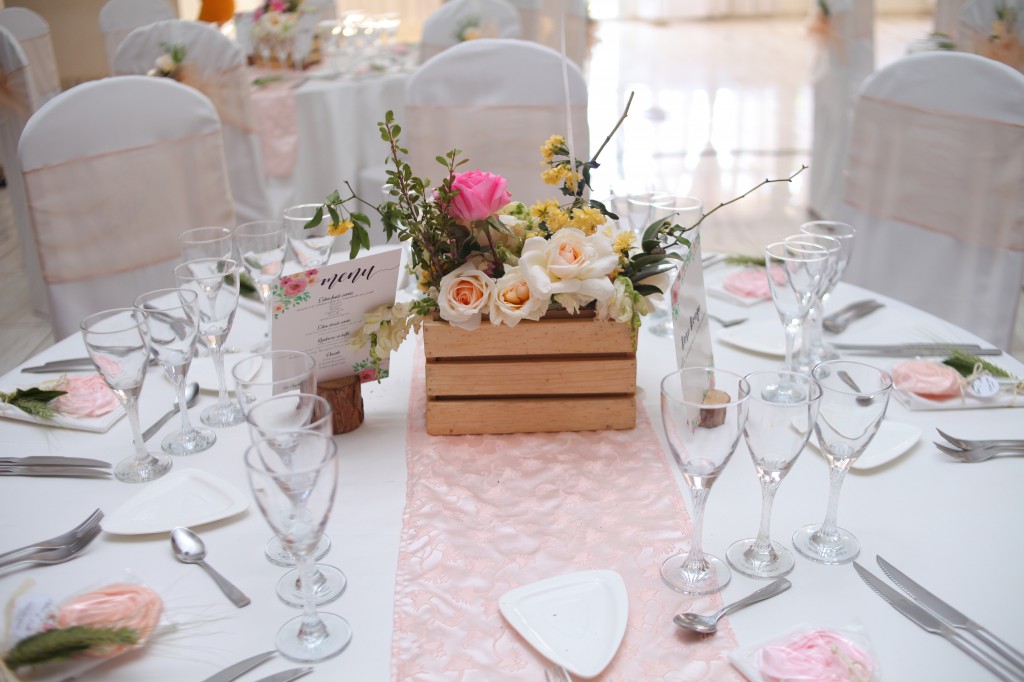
(165, 63)
(620, 306)
(464, 294)
(571, 266)
(512, 300)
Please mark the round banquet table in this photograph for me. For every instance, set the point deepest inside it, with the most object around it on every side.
(954, 527)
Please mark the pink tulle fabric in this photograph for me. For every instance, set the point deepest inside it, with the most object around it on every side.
(486, 514)
(816, 656)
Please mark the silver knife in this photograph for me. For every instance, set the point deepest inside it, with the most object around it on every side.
(53, 460)
(931, 623)
(286, 675)
(950, 614)
(238, 669)
(55, 471)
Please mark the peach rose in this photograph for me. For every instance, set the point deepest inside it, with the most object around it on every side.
(928, 379)
(480, 195)
(87, 396)
(513, 300)
(115, 606)
(464, 293)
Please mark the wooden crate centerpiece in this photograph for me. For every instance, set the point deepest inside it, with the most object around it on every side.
(562, 373)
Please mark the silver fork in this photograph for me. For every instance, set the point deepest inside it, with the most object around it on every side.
(556, 673)
(728, 323)
(839, 321)
(972, 444)
(55, 555)
(973, 455)
(62, 540)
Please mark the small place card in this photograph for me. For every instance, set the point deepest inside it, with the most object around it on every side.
(319, 310)
(689, 312)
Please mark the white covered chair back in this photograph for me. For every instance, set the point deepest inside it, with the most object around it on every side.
(845, 56)
(459, 21)
(110, 188)
(572, 14)
(933, 187)
(994, 29)
(17, 102)
(215, 66)
(33, 34)
(118, 18)
(498, 101)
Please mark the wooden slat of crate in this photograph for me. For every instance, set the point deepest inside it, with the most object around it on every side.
(578, 335)
(545, 376)
(448, 417)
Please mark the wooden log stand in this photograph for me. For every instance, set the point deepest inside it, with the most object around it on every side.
(346, 398)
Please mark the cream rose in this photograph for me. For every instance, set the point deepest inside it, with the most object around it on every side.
(465, 293)
(165, 63)
(512, 300)
(572, 267)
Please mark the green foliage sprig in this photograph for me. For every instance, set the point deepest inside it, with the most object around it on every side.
(33, 401)
(965, 363)
(60, 644)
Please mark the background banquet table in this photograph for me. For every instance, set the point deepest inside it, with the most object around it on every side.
(955, 527)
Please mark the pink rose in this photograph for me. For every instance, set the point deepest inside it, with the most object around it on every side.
(114, 606)
(368, 374)
(294, 287)
(480, 195)
(87, 396)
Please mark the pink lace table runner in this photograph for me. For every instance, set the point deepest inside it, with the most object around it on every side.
(486, 514)
(277, 121)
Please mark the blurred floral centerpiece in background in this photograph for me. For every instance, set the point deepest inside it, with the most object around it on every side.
(278, 30)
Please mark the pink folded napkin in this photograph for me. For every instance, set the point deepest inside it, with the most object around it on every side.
(752, 283)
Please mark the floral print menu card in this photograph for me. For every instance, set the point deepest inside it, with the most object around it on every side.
(318, 312)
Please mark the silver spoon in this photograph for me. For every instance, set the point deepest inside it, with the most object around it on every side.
(708, 624)
(189, 549)
(848, 380)
(191, 396)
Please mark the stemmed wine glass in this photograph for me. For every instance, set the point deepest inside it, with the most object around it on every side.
(774, 446)
(847, 421)
(703, 410)
(261, 246)
(265, 375)
(794, 272)
(215, 280)
(205, 242)
(312, 246)
(295, 488)
(813, 344)
(684, 211)
(805, 358)
(118, 347)
(170, 320)
(277, 419)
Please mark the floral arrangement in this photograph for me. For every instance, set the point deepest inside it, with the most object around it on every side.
(99, 624)
(477, 253)
(78, 396)
(276, 18)
(1004, 44)
(168, 64)
(473, 29)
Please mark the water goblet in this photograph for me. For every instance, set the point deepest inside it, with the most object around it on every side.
(215, 280)
(774, 446)
(703, 411)
(847, 421)
(278, 419)
(261, 246)
(295, 489)
(312, 246)
(817, 349)
(206, 242)
(117, 346)
(807, 358)
(170, 320)
(683, 211)
(794, 272)
(265, 375)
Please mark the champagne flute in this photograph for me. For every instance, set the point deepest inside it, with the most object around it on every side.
(312, 246)
(278, 419)
(847, 421)
(684, 211)
(295, 488)
(774, 446)
(703, 411)
(118, 347)
(794, 272)
(215, 280)
(261, 246)
(170, 320)
(265, 375)
(816, 348)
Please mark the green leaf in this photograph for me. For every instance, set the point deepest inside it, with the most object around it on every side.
(335, 218)
(333, 198)
(360, 218)
(317, 218)
(646, 289)
(60, 644)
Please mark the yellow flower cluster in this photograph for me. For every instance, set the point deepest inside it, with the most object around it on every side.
(561, 174)
(549, 148)
(585, 219)
(339, 228)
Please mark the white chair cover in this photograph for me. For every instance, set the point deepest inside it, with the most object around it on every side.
(978, 28)
(33, 33)
(118, 18)
(933, 188)
(459, 21)
(17, 100)
(845, 57)
(217, 67)
(110, 188)
(498, 101)
(573, 15)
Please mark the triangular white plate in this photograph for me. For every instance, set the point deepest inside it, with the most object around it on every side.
(187, 497)
(576, 621)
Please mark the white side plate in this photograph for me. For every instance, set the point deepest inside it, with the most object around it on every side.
(576, 621)
(187, 497)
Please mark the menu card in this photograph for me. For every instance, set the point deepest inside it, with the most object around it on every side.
(318, 311)
(689, 311)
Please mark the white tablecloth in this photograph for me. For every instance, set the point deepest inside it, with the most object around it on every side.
(953, 526)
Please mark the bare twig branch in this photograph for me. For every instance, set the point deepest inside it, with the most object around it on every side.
(766, 181)
(625, 112)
